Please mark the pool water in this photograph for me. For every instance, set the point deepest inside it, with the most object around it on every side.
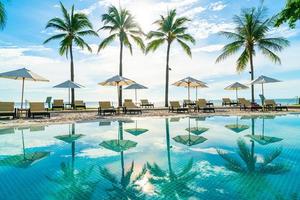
(220, 157)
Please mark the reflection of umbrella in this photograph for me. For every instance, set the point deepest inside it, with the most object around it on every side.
(190, 82)
(68, 85)
(197, 130)
(174, 119)
(22, 74)
(4, 131)
(263, 80)
(71, 137)
(118, 145)
(24, 160)
(135, 87)
(237, 128)
(189, 140)
(117, 81)
(104, 123)
(262, 139)
(236, 86)
(136, 131)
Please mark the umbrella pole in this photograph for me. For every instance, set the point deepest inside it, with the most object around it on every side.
(196, 93)
(188, 91)
(23, 81)
(236, 94)
(262, 92)
(69, 96)
(23, 145)
(135, 96)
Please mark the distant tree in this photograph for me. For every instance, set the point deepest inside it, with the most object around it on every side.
(251, 34)
(290, 14)
(170, 28)
(123, 27)
(72, 28)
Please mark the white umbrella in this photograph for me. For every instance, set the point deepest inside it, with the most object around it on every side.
(190, 82)
(236, 86)
(69, 85)
(117, 81)
(263, 80)
(24, 75)
(135, 87)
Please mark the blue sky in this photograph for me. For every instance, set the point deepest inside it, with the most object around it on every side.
(21, 46)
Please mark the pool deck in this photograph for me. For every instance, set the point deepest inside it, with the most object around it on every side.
(72, 116)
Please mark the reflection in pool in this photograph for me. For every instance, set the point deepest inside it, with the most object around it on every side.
(161, 158)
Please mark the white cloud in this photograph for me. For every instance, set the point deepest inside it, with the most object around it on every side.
(209, 48)
(217, 6)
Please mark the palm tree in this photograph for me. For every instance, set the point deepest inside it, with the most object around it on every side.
(122, 26)
(2, 16)
(171, 184)
(251, 34)
(72, 27)
(170, 29)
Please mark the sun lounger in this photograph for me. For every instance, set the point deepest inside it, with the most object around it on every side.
(247, 105)
(130, 107)
(176, 107)
(58, 104)
(187, 103)
(228, 102)
(270, 104)
(145, 103)
(106, 107)
(79, 104)
(128, 100)
(37, 109)
(7, 109)
(202, 104)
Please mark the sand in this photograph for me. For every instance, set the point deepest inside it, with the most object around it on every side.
(91, 115)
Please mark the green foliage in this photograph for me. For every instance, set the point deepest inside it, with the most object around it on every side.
(122, 25)
(72, 27)
(75, 184)
(249, 164)
(290, 14)
(171, 185)
(2, 16)
(127, 187)
(169, 29)
(249, 35)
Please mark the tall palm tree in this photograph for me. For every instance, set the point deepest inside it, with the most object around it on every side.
(251, 34)
(2, 15)
(170, 28)
(123, 27)
(72, 27)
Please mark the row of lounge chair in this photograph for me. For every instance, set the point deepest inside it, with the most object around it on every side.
(105, 107)
(269, 104)
(199, 105)
(59, 104)
(7, 109)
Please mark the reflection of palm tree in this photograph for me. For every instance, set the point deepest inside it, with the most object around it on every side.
(249, 159)
(171, 185)
(251, 172)
(126, 187)
(76, 184)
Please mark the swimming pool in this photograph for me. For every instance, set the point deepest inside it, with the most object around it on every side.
(220, 157)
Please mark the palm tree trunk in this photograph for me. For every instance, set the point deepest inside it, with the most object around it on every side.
(72, 76)
(252, 77)
(167, 77)
(168, 145)
(120, 73)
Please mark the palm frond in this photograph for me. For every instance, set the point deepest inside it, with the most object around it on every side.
(3, 16)
(154, 44)
(139, 41)
(66, 15)
(229, 50)
(155, 34)
(242, 61)
(55, 37)
(185, 47)
(87, 32)
(187, 37)
(81, 43)
(156, 170)
(107, 41)
(268, 53)
(108, 176)
(187, 168)
(58, 24)
(271, 157)
(127, 43)
(232, 163)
